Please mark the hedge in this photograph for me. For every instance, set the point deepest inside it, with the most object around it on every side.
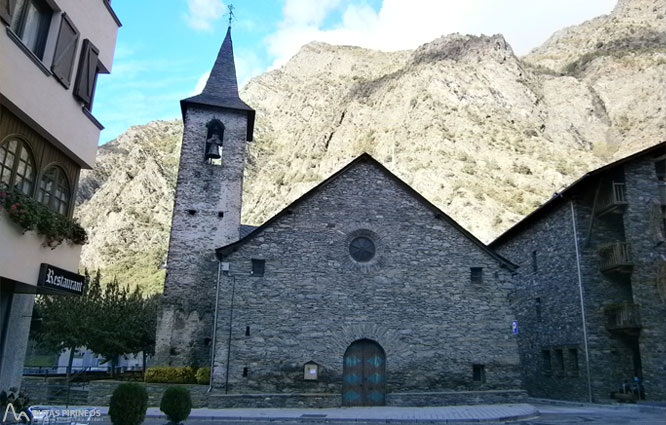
(171, 375)
(128, 404)
(203, 375)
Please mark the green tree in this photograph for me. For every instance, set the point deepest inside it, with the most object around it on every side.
(145, 310)
(63, 321)
(114, 331)
(109, 320)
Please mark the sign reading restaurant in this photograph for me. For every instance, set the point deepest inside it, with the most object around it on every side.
(59, 280)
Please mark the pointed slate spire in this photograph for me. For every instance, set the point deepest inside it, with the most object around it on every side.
(221, 90)
(222, 81)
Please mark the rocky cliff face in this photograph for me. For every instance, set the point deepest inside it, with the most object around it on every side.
(125, 204)
(483, 134)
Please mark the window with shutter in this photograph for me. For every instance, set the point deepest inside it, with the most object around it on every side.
(87, 73)
(63, 59)
(6, 9)
(30, 21)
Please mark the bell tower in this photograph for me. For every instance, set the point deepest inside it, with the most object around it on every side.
(206, 213)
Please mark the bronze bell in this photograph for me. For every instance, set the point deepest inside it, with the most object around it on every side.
(212, 151)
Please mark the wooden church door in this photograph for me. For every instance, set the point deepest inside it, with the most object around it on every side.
(364, 374)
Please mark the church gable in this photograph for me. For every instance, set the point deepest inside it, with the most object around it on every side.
(365, 194)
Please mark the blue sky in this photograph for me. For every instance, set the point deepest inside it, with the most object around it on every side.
(165, 47)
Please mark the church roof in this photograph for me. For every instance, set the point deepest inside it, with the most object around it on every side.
(221, 89)
(365, 158)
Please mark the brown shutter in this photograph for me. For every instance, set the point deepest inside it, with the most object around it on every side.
(85, 80)
(6, 9)
(63, 59)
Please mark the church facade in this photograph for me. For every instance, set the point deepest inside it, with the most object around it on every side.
(357, 292)
(371, 285)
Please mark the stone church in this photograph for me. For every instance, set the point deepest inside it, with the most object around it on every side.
(361, 292)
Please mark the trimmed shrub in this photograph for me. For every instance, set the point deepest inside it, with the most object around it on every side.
(176, 404)
(170, 375)
(203, 375)
(128, 404)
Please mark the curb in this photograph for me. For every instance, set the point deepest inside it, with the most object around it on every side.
(617, 406)
(309, 419)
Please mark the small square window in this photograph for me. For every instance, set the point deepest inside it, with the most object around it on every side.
(258, 267)
(476, 274)
(479, 373)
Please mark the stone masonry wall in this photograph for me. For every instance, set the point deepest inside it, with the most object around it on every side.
(414, 297)
(206, 215)
(645, 232)
(611, 353)
(546, 303)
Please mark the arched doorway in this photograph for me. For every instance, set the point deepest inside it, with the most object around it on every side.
(364, 374)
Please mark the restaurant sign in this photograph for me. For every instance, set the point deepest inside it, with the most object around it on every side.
(58, 280)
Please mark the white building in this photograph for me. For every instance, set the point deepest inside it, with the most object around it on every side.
(52, 52)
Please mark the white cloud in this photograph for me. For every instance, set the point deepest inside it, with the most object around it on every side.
(198, 88)
(202, 13)
(307, 12)
(398, 25)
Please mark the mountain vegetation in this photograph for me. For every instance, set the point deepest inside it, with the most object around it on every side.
(485, 135)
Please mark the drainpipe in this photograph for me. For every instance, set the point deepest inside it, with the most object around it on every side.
(582, 303)
(212, 350)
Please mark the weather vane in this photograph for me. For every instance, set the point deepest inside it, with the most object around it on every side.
(231, 13)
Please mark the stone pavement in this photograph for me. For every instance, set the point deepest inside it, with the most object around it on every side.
(478, 413)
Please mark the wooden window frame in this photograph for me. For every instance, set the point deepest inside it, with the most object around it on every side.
(19, 20)
(53, 203)
(13, 170)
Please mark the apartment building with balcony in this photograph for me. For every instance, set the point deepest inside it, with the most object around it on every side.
(51, 53)
(591, 289)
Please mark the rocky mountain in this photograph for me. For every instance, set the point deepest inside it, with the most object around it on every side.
(483, 134)
(125, 204)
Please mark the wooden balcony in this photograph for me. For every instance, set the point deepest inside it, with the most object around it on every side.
(616, 257)
(623, 318)
(611, 199)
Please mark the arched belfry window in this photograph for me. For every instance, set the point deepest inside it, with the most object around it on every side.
(17, 168)
(214, 140)
(54, 190)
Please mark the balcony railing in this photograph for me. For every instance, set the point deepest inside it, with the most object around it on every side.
(623, 317)
(612, 198)
(616, 257)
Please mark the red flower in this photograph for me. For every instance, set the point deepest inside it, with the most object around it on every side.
(14, 206)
